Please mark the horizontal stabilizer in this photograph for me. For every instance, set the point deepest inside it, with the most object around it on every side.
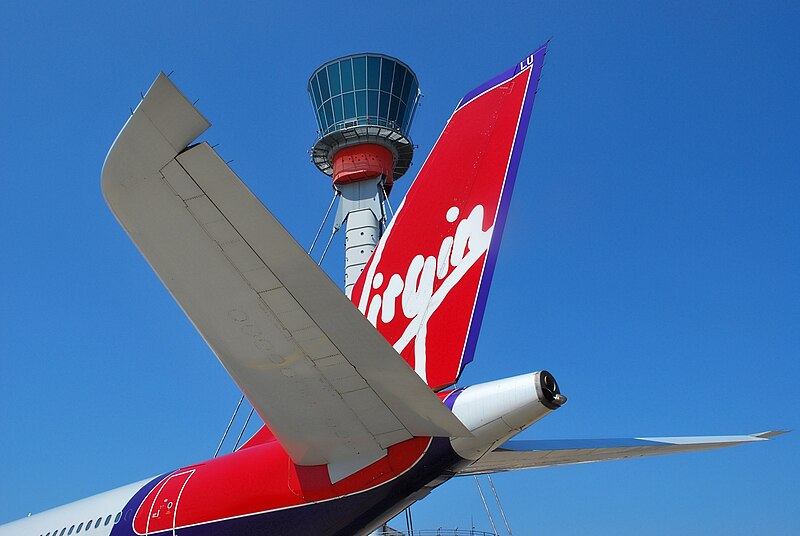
(325, 381)
(515, 455)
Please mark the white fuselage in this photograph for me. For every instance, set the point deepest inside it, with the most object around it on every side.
(93, 516)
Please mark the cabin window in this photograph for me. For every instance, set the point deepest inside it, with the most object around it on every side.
(97, 523)
(62, 531)
(80, 526)
(72, 528)
(116, 519)
(108, 520)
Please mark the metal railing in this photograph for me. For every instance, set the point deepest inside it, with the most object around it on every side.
(362, 120)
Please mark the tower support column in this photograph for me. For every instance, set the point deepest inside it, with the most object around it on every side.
(364, 105)
(360, 210)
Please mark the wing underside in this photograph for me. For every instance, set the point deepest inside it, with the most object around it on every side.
(325, 381)
(521, 454)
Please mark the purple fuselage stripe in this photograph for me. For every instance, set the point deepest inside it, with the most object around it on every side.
(450, 399)
(505, 200)
(125, 526)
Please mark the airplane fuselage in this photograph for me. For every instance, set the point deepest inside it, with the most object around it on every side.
(259, 488)
(255, 489)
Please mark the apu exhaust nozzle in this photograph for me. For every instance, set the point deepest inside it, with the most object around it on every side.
(548, 391)
(498, 410)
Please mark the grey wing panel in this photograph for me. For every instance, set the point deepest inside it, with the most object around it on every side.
(515, 455)
(319, 374)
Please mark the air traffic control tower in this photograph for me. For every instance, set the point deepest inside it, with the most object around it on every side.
(364, 105)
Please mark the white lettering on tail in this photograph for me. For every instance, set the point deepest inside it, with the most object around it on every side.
(418, 300)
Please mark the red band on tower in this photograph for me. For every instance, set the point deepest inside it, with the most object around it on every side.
(360, 162)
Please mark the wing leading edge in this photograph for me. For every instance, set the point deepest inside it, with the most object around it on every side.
(523, 454)
(325, 381)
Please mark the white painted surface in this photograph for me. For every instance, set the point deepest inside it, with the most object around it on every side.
(98, 506)
(496, 411)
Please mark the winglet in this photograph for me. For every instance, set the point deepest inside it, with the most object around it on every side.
(162, 125)
(771, 433)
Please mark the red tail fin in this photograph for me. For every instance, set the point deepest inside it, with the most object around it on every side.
(426, 285)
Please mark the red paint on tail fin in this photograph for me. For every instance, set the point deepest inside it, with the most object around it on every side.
(425, 286)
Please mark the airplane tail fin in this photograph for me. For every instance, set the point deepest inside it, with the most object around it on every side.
(426, 285)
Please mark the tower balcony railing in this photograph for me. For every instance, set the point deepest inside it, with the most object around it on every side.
(362, 120)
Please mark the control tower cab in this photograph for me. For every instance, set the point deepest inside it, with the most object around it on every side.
(364, 105)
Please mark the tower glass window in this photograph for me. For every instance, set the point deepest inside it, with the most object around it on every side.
(363, 89)
(360, 72)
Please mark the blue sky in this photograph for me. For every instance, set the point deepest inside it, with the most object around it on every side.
(650, 260)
